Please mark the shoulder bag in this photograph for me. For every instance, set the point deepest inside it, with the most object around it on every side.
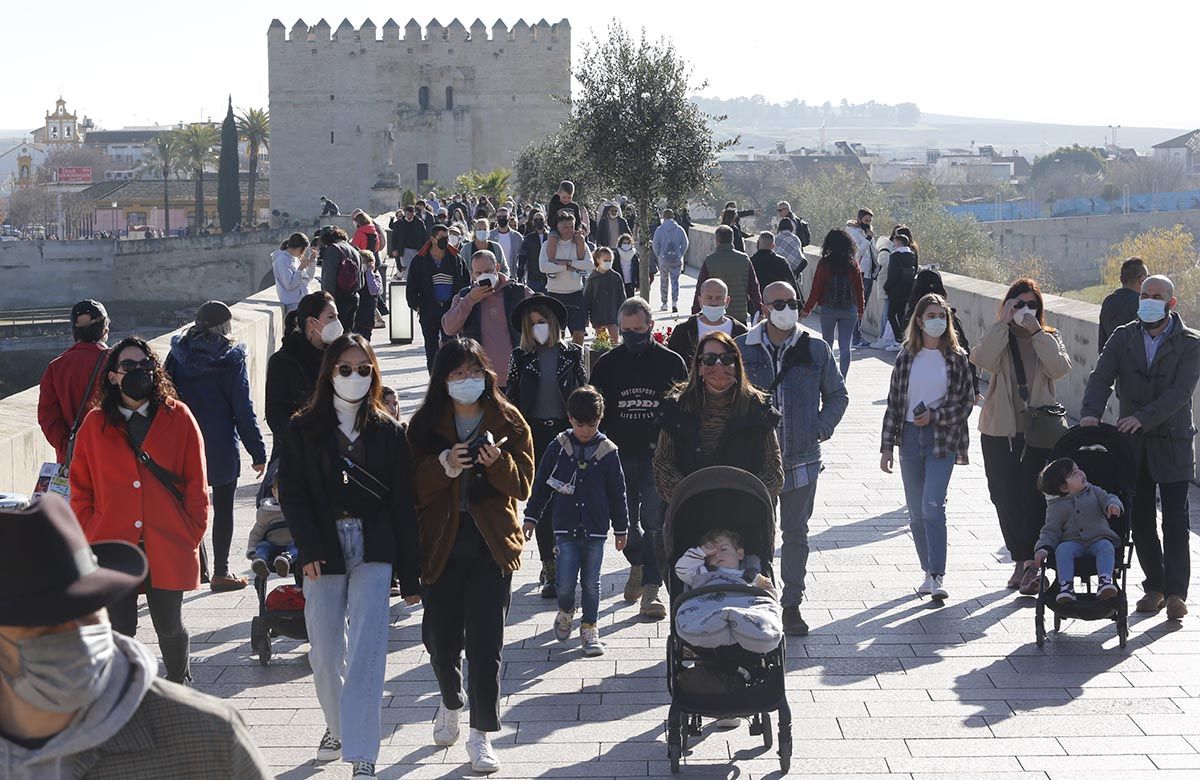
(1044, 425)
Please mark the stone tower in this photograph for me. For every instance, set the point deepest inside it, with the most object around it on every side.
(358, 117)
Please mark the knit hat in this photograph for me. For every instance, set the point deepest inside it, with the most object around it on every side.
(212, 314)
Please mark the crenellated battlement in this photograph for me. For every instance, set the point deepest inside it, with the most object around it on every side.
(522, 32)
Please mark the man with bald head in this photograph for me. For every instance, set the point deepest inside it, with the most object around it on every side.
(713, 316)
(1155, 363)
(811, 397)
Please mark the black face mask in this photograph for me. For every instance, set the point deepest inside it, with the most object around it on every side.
(538, 224)
(502, 221)
(138, 384)
(443, 243)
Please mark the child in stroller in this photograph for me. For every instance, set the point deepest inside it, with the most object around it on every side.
(270, 544)
(1077, 526)
(721, 618)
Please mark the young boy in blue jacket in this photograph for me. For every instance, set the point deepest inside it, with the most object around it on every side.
(583, 467)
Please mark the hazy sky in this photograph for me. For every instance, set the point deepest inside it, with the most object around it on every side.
(1064, 61)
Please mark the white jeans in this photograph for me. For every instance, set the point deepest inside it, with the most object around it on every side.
(348, 664)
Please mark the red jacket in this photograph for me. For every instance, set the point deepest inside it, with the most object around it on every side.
(821, 278)
(360, 237)
(115, 497)
(62, 392)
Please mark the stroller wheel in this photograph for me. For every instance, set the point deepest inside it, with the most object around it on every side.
(676, 736)
(785, 752)
(1123, 625)
(695, 727)
(767, 735)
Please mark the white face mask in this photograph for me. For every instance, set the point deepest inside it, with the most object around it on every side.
(604, 265)
(454, 240)
(481, 235)
(63, 672)
(541, 332)
(353, 388)
(934, 327)
(712, 313)
(786, 319)
(332, 331)
(466, 391)
(626, 247)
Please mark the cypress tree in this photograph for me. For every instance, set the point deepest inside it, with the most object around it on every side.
(229, 197)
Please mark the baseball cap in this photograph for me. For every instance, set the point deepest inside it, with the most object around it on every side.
(93, 309)
(212, 314)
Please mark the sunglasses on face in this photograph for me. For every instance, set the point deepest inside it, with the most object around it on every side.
(345, 369)
(125, 366)
(791, 303)
(1026, 304)
(710, 359)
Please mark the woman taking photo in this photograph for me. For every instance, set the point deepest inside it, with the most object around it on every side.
(717, 419)
(1025, 357)
(837, 287)
(543, 371)
(293, 370)
(928, 406)
(159, 504)
(345, 490)
(209, 370)
(472, 464)
(293, 264)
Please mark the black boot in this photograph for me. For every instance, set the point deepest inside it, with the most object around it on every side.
(793, 624)
(548, 580)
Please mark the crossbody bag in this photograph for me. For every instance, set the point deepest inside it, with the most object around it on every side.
(1044, 425)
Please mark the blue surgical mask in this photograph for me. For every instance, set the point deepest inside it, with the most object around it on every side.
(466, 391)
(934, 327)
(637, 342)
(1151, 311)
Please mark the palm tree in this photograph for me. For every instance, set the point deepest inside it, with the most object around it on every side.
(198, 150)
(166, 158)
(494, 184)
(254, 127)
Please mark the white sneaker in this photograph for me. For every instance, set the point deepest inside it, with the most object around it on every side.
(589, 637)
(562, 625)
(926, 586)
(445, 726)
(479, 750)
(939, 593)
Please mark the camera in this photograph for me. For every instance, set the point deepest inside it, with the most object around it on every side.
(475, 446)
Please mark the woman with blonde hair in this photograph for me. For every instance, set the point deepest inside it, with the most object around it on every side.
(929, 403)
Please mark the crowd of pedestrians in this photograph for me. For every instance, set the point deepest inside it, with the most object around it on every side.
(523, 436)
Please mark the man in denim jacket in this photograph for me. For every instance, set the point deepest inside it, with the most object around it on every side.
(808, 390)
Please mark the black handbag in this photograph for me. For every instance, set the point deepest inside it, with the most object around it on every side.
(1044, 425)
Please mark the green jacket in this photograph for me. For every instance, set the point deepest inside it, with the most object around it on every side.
(733, 268)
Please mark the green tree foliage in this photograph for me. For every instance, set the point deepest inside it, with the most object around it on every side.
(833, 195)
(494, 184)
(166, 159)
(229, 197)
(196, 143)
(254, 127)
(637, 126)
(542, 164)
(1165, 251)
(1074, 158)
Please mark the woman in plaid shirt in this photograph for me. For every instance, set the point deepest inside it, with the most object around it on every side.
(928, 405)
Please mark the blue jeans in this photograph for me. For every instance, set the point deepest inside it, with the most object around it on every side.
(348, 664)
(268, 551)
(579, 561)
(1066, 553)
(926, 480)
(795, 510)
(646, 509)
(843, 321)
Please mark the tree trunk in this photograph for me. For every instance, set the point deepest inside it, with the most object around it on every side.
(166, 204)
(643, 229)
(253, 180)
(199, 199)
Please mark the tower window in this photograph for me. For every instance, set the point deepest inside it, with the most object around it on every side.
(422, 172)
(423, 98)
(330, 136)
(449, 98)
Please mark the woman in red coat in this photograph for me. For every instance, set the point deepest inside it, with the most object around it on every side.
(116, 497)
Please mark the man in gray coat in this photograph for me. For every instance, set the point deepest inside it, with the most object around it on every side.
(1155, 362)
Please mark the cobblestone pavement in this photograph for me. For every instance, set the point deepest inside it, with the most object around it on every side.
(887, 683)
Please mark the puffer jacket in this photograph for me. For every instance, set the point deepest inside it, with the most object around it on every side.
(1078, 518)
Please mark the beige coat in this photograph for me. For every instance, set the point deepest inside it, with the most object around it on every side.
(998, 416)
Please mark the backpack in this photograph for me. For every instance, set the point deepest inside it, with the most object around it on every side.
(347, 275)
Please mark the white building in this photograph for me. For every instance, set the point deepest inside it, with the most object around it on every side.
(1183, 150)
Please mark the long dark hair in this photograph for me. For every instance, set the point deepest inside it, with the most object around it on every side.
(1027, 285)
(310, 306)
(906, 231)
(691, 392)
(110, 394)
(432, 410)
(319, 418)
(838, 251)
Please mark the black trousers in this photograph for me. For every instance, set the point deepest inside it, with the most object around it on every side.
(222, 530)
(1012, 470)
(364, 318)
(1167, 565)
(465, 610)
(431, 329)
(896, 316)
(347, 306)
(544, 432)
(166, 612)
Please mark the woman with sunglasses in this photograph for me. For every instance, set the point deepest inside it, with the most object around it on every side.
(542, 373)
(837, 287)
(717, 419)
(472, 465)
(163, 508)
(1020, 333)
(345, 489)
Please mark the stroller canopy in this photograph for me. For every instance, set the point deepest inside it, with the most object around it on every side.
(1104, 453)
(720, 497)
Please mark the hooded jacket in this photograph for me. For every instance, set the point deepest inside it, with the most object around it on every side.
(597, 484)
(210, 374)
(1079, 518)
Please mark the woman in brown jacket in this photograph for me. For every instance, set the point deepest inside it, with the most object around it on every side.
(472, 458)
(1012, 467)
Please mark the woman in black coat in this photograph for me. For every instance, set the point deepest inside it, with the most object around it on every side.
(345, 490)
(542, 372)
(292, 371)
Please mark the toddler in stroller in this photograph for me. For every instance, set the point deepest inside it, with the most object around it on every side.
(726, 617)
(1077, 526)
(270, 544)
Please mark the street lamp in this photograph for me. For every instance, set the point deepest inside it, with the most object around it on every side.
(116, 229)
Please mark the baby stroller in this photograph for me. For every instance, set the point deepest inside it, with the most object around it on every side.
(280, 612)
(1104, 455)
(730, 681)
